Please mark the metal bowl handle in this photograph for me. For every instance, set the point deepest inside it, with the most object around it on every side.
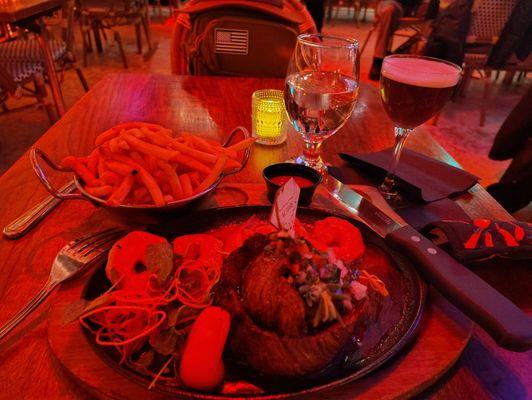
(247, 152)
(35, 154)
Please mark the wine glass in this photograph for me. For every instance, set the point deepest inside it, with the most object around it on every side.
(321, 89)
(413, 89)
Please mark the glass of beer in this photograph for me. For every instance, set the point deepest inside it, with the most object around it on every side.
(413, 89)
(321, 90)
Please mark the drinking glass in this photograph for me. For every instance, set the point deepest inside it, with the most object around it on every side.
(413, 89)
(321, 90)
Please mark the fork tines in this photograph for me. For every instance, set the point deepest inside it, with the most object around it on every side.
(87, 244)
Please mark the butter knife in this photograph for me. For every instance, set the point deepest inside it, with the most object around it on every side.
(508, 325)
(23, 224)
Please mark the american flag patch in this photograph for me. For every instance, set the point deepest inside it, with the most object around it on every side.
(231, 41)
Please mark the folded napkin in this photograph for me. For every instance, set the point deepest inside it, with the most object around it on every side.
(482, 239)
(417, 214)
(421, 177)
(447, 225)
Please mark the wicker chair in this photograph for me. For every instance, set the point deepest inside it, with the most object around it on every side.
(26, 48)
(487, 23)
(16, 79)
(105, 15)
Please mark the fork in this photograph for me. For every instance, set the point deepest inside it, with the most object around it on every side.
(70, 260)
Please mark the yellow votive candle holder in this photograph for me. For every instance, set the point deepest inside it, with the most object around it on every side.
(268, 116)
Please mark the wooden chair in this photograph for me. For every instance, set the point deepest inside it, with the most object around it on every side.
(16, 80)
(333, 6)
(487, 23)
(24, 48)
(100, 16)
(517, 67)
(173, 6)
(409, 27)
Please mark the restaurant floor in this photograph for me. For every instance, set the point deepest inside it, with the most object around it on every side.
(457, 130)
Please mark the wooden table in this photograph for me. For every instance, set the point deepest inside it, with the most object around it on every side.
(210, 107)
(29, 14)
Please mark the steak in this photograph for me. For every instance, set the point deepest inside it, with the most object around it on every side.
(270, 300)
(269, 329)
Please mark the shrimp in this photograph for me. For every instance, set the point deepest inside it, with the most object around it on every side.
(340, 236)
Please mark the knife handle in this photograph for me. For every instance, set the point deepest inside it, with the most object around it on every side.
(507, 324)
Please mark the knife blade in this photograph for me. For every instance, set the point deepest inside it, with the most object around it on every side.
(508, 325)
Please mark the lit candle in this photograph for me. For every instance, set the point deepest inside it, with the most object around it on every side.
(268, 116)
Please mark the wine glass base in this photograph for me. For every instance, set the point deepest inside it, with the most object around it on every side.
(315, 163)
(391, 195)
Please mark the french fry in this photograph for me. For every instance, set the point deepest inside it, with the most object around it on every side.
(141, 195)
(135, 132)
(151, 162)
(101, 168)
(142, 163)
(155, 137)
(92, 162)
(148, 148)
(121, 168)
(192, 164)
(120, 193)
(243, 144)
(189, 151)
(123, 144)
(114, 145)
(231, 165)
(99, 191)
(106, 136)
(135, 156)
(213, 175)
(154, 189)
(81, 170)
(194, 179)
(173, 179)
(205, 146)
(165, 188)
(111, 178)
(186, 184)
(144, 176)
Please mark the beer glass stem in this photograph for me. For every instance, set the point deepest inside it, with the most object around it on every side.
(387, 188)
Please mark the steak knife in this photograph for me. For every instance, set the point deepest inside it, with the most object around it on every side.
(507, 324)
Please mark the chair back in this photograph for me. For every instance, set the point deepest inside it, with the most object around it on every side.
(488, 18)
(238, 37)
(6, 81)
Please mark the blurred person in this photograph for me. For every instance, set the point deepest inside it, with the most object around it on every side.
(316, 8)
(514, 141)
(388, 13)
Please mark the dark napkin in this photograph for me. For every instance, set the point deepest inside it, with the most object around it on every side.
(483, 239)
(422, 177)
(416, 214)
(447, 225)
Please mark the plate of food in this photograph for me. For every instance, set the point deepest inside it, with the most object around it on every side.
(145, 167)
(221, 304)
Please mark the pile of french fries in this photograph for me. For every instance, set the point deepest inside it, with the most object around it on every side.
(143, 164)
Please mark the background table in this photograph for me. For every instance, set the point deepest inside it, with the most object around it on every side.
(210, 107)
(29, 14)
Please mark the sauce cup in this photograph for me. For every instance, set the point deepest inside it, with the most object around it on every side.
(307, 178)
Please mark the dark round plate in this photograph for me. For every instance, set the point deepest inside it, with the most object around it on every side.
(396, 326)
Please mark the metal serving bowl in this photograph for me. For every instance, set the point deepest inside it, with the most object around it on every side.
(128, 210)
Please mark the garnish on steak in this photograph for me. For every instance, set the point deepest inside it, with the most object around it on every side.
(294, 307)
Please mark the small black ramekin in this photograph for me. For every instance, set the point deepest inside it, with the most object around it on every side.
(288, 169)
